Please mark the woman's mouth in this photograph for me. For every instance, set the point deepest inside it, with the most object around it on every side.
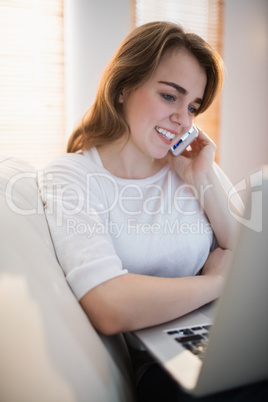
(165, 134)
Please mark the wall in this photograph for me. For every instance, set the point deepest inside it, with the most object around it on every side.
(244, 132)
(93, 31)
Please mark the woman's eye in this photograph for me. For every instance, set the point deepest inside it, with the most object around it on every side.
(168, 97)
(192, 109)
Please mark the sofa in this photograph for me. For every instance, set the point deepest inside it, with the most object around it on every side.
(49, 351)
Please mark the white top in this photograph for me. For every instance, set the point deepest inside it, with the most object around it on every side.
(103, 226)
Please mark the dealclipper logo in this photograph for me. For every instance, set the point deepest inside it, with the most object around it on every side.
(253, 186)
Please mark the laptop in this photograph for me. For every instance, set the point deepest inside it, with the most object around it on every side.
(224, 344)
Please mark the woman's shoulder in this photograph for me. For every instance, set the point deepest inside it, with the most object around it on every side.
(79, 162)
(70, 169)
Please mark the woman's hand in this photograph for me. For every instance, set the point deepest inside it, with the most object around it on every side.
(196, 162)
(196, 168)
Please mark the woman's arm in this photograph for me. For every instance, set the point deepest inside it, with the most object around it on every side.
(197, 168)
(130, 301)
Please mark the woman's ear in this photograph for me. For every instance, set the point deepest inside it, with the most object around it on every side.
(121, 96)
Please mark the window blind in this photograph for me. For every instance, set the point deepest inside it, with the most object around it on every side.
(203, 17)
(32, 121)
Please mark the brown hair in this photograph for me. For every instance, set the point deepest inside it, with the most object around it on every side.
(134, 62)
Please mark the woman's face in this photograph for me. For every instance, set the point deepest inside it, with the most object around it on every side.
(161, 110)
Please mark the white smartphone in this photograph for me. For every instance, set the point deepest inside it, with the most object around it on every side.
(184, 141)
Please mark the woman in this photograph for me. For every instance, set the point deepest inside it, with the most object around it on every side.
(132, 224)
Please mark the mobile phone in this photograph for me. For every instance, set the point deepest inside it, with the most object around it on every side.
(184, 141)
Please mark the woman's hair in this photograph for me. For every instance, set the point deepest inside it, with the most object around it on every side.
(134, 62)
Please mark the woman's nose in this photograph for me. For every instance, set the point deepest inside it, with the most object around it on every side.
(181, 118)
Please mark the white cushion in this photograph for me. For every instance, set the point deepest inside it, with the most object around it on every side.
(48, 349)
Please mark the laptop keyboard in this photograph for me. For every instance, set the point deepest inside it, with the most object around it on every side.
(194, 339)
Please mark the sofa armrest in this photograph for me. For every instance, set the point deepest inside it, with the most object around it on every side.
(49, 351)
